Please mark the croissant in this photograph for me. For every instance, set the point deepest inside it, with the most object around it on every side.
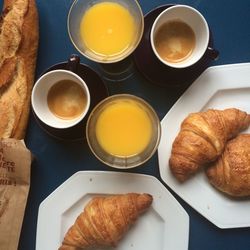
(231, 172)
(202, 139)
(105, 220)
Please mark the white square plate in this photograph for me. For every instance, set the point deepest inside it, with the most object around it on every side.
(165, 226)
(218, 87)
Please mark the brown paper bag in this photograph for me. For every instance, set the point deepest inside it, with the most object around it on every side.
(15, 161)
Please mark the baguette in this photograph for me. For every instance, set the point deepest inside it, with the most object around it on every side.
(19, 36)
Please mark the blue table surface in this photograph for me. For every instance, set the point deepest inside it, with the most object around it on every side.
(55, 161)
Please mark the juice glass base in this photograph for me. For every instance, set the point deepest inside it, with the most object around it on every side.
(119, 71)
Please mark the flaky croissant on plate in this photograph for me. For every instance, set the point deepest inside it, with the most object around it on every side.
(105, 220)
(231, 172)
(202, 139)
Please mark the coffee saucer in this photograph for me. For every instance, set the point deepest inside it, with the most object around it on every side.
(158, 73)
(98, 92)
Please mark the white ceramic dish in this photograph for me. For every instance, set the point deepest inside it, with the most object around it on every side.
(218, 87)
(165, 226)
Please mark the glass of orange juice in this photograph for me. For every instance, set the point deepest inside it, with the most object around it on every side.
(123, 131)
(105, 31)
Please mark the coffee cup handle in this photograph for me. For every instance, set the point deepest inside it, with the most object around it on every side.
(73, 63)
(212, 53)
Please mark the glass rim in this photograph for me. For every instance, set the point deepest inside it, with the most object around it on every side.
(117, 58)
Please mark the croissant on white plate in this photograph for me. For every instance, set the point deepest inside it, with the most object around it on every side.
(105, 220)
(231, 172)
(202, 139)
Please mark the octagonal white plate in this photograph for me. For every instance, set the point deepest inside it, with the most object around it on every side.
(165, 226)
(218, 87)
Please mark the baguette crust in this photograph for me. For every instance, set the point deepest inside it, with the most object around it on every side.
(18, 51)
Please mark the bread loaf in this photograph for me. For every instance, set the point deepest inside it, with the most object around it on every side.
(18, 51)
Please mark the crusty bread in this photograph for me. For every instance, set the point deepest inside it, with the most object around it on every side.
(18, 51)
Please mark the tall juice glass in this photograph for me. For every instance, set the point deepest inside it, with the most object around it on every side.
(106, 31)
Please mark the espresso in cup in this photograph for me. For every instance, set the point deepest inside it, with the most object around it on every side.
(179, 36)
(66, 99)
(60, 98)
(174, 41)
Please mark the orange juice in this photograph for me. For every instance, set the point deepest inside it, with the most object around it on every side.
(107, 28)
(124, 128)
